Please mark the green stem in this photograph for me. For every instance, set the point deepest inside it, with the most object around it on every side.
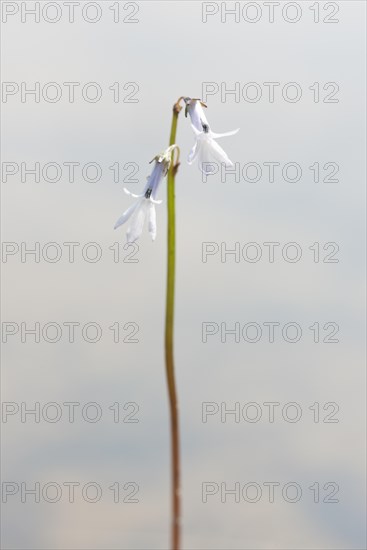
(170, 297)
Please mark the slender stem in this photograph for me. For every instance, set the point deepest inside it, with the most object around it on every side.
(173, 404)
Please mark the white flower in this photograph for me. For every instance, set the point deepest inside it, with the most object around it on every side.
(206, 149)
(144, 207)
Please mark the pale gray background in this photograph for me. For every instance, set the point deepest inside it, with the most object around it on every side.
(170, 52)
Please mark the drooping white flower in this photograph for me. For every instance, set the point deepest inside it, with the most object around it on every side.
(144, 207)
(206, 149)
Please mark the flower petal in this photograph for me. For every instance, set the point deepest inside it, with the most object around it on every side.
(196, 131)
(126, 215)
(205, 158)
(218, 154)
(137, 221)
(132, 194)
(156, 177)
(194, 152)
(152, 221)
(225, 134)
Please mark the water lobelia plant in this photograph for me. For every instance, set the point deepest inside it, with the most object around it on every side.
(207, 151)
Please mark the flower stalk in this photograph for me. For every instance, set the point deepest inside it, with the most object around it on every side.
(205, 150)
(169, 333)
